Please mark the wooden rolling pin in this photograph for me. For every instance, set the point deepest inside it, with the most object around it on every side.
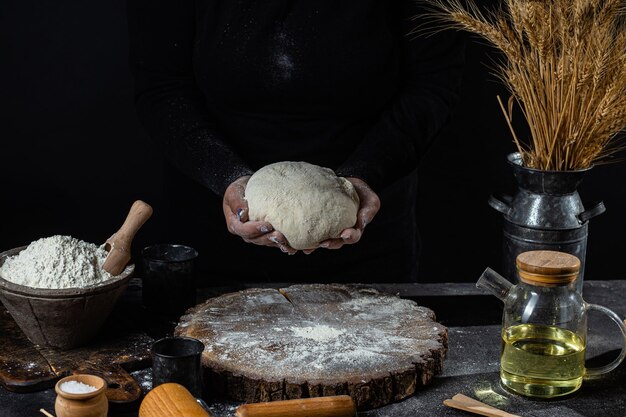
(337, 406)
(119, 244)
(171, 400)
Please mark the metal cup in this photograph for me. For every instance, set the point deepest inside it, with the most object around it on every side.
(168, 278)
(177, 359)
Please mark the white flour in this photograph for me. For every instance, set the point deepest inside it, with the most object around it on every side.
(319, 333)
(57, 262)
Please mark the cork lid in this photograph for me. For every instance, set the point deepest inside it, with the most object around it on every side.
(546, 267)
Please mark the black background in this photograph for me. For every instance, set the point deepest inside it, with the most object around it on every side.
(74, 156)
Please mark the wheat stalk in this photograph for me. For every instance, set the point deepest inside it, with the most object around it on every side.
(564, 65)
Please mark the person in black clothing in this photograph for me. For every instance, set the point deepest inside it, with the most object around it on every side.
(226, 87)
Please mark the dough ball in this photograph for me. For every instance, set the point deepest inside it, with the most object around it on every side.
(306, 203)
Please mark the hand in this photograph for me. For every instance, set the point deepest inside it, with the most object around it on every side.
(236, 213)
(368, 207)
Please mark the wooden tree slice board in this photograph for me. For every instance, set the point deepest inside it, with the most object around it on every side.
(316, 340)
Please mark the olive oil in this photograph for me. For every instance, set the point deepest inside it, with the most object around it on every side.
(541, 361)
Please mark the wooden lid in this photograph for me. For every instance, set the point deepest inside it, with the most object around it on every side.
(546, 267)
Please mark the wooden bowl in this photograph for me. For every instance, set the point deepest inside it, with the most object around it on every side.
(64, 318)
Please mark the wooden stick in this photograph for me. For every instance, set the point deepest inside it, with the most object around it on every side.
(465, 403)
(44, 412)
(335, 406)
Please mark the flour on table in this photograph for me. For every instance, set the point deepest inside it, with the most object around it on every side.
(57, 262)
(364, 333)
(317, 339)
(319, 333)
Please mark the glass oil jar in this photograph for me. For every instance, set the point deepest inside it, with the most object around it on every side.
(544, 328)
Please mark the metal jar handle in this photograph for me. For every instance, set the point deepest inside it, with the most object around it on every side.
(500, 202)
(595, 210)
(609, 367)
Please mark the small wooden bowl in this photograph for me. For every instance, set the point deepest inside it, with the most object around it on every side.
(64, 318)
(89, 404)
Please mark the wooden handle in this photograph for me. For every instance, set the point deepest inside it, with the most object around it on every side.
(336, 406)
(119, 244)
(171, 400)
(466, 403)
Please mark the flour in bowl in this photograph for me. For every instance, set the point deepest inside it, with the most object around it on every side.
(57, 262)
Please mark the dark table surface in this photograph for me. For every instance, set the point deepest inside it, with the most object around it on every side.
(471, 366)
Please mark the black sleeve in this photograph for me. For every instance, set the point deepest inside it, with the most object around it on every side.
(431, 69)
(170, 105)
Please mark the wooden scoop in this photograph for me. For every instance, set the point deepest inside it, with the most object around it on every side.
(465, 403)
(335, 406)
(119, 244)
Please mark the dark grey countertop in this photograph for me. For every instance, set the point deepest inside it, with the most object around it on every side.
(471, 366)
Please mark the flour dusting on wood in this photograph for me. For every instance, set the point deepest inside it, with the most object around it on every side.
(319, 339)
(319, 333)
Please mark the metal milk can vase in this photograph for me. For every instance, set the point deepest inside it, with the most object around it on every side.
(546, 213)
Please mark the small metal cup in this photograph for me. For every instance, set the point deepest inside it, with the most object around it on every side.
(177, 359)
(168, 278)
